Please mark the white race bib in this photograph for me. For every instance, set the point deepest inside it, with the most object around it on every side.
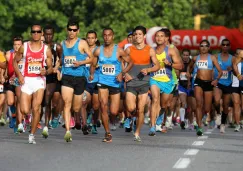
(202, 64)
(34, 68)
(161, 72)
(68, 61)
(1, 88)
(225, 75)
(108, 69)
(20, 65)
(183, 76)
(87, 65)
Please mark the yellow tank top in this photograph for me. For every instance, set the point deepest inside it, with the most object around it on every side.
(161, 75)
(2, 58)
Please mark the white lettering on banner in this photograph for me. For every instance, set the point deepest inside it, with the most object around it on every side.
(220, 39)
(186, 41)
(176, 39)
(194, 41)
(212, 40)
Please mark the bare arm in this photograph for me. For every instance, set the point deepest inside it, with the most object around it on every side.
(235, 62)
(94, 62)
(87, 50)
(126, 58)
(155, 61)
(59, 60)
(18, 56)
(216, 64)
(177, 61)
(49, 61)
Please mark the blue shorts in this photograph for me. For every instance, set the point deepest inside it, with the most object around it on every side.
(182, 90)
(165, 87)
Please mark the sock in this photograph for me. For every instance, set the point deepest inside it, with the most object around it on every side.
(182, 114)
(217, 108)
(223, 118)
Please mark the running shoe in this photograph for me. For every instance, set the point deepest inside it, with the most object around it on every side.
(113, 127)
(50, 125)
(218, 120)
(15, 130)
(121, 124)
(108, 137)
(158, 128)
(89, 118)
(222, 128)
(191, 127)
(55, 122)
(7, 120)
(32, 139)
(12, 122)
(164, 129)
(20, 128)
(78, 126)
(160, 119)
(39, 126)
(94, 130)
(237, 128)
(199, 132)
(72, 122)
(182, 124)
(45, 132)
(98, 123)
(85, 130)
(152, 131)
(231, 125)
(68, 136)
(137, 138)
(212, 124)
(146, 120)
(127, 123)
(134, 124)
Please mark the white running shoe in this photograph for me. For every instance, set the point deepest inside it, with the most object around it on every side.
(158, 128)
(45, 132)
(32, 139)
(20, 128)
(222, 128)
(218, 119)
(237, 128)
(113, 127)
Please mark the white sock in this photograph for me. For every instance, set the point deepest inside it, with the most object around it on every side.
(182, 114)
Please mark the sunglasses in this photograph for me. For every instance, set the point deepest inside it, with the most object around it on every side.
(36, 31)
(204, 45)
(74, 30)
(225, 44)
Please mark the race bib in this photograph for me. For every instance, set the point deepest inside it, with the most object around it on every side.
(1, 88)
(87, 65)
(34, 68)
(183, 76)
(108, 69)
(20, 65)
(68, 61)
(225, 75)
(161, 72)
(202, 64)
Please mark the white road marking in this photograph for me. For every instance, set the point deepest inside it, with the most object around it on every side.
(182, 163)
(203, 137)
(198, 143)
(208, 132)
(191, 152)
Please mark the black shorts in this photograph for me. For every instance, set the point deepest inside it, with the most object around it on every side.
(112, 90)
(191, 93)
(78, 84)
(225, 89)
(175, 91)
(9, 87)
(143, 89)
(51, 78)
(92, 88)
(204, 84)
(238, 90)
(58, 86)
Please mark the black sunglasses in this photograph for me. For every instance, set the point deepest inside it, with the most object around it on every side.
(204, 45)
(225, 44)
(36, 31)
(74, 30)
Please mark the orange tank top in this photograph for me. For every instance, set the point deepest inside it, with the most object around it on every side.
(140, 56)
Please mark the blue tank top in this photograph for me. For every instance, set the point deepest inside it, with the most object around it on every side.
(96, 73)
(194, 75)
(226, 78)
(204, 64)
(109, 68)
(70, 55)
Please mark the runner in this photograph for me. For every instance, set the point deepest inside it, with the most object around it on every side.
(34, 53)
(223, 89)
(73, 73)
(109, 57)
(3, 66)
(203, 85)
(161, 82)
(51, 79)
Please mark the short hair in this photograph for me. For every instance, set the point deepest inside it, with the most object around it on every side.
(91, 32)
(48, 27)
(73, 22)
(18, 38)
(36, 24)
(205, 41)
(225, 40)
(141, 28)
(186, 50)
(108, 28)
(166, 31)
(97, 43)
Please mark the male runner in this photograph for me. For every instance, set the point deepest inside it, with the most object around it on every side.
(34, 53)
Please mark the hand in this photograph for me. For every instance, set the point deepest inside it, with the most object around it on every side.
(76, 63)
(21, 80)
(229, 69)
(91, 77)
(144, 71)
(55, 70)
(240, 77)
(127, 77)
(43, 71)
(11, 80)
(214, 83)
(2, 80)
(166, 62)
(188, 76)
(59, 75)
(119, 77)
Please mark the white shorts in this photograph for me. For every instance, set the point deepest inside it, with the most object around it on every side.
(33, 84)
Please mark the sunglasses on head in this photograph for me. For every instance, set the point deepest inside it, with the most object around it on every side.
(203, 45)
(74, 30)
(227, 44)
(36, 31)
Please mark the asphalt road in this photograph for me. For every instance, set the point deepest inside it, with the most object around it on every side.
(176, 150)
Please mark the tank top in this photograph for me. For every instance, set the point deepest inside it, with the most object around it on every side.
(183, 79)
(54, 55)
(110, 67)
(164, 74)
(96, 72)
(10, 64)
(34, 60)
(204, 64)
(235, 81)
(226, 78)
(69, 56)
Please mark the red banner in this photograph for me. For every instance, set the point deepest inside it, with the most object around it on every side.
(190, 38)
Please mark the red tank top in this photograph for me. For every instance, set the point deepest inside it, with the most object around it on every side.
(34, 61)
(10, 65)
